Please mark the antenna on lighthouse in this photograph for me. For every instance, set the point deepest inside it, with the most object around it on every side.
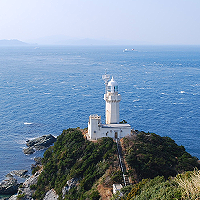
(106, 78)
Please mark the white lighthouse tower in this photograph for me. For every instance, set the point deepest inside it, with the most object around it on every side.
(112, 128)
(112, 99)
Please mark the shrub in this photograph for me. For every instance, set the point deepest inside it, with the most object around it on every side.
(157, 188)
(74, 157)
(117, 177)
(33, 187)
(35, 169)
(189, 182)
(94, 195)
(20, 196)
(152, 155)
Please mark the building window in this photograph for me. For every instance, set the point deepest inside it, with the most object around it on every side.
(115, 88)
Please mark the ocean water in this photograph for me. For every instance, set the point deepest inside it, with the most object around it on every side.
(46, 89)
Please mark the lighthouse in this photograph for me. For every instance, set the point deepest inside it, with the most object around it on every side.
(112, 99)
(112, 128)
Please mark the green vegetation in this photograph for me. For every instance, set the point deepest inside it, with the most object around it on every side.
(72, 156)
(189, 183)
(149, 155)
(33, 187)
(35, 169)
(151, 162)
(20, 196)
(117, 177)
(152, 189)
(183, 186)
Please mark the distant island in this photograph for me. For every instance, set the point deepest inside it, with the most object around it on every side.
(12, 42)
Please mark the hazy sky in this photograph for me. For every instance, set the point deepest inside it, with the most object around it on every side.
(142, 21)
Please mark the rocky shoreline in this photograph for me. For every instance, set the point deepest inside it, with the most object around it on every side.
(10, 185)
(26, 189)
(19, 183)
(39, 143)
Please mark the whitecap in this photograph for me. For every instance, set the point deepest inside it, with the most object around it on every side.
(61, 97)
(182, 92)
(180, 117)
(21, 142)
(27, 123)
(136, 100)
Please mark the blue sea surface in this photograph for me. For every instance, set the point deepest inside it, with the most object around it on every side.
(46, 89)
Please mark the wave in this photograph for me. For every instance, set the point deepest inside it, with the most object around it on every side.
(136, 100)
(28, 123)
(182, 92)
(21, 142)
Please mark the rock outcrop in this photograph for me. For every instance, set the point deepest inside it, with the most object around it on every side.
(13, 197)
(70, 184)
(20, 173)
(27, 188)
(9, 186)
(29, 150)
(51, 195)
(39, 143)
(38, 160)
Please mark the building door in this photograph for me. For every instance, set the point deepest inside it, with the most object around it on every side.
(116, 135)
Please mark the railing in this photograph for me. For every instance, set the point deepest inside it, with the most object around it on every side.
(121, 163)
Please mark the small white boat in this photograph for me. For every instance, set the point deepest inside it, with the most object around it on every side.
(127, 50)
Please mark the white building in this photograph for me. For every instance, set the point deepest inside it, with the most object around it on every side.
(117, 187)
(112, 128)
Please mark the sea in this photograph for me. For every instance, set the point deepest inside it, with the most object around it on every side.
(46, 89)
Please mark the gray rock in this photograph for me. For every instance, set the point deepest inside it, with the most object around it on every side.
(9, 186)
(32, 180)
(43, 141)
(5, 197)
(39, 143)
(51, 195)
(21, 173)
(9, 176)
(26, 189)
(29, 150)
(70, 184)
(39, 147)
(13, 197)
(38, 160)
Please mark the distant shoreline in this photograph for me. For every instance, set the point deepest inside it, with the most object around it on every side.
(13, 42)
(85, 42)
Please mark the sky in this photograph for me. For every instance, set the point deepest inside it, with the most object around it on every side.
(157, 22)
